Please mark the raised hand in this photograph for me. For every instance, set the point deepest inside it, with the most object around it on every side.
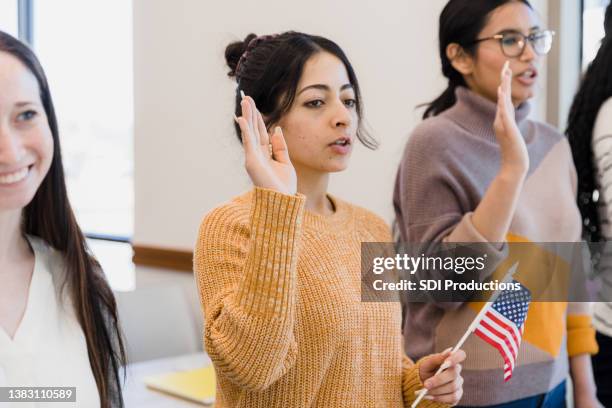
(514, 156)
(266, 156)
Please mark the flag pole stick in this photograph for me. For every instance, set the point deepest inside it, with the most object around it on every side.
(470, 329)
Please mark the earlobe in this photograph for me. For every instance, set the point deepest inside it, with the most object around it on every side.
(460, 60)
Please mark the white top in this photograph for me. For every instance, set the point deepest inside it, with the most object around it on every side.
(49, 348)
(602, 150)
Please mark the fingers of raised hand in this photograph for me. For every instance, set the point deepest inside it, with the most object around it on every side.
(245, 133)
(250, 113)
(505, 89)
(248, 118)
(264, 139)
(280, 151)
(506, 77)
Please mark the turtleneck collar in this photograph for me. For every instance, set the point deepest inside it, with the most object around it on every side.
(476, 113)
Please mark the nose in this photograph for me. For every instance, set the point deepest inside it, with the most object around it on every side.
(529, 53)
(342, 116)
(11, 146)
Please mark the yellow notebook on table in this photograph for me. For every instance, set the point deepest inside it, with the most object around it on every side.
(194, 385)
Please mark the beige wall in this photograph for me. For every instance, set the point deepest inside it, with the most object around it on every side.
(187, 159)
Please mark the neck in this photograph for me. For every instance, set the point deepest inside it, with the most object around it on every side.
(313, 185)
(13, 245)
(477, 113)
(493, 98)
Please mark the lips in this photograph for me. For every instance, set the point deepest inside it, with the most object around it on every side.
(341, 145)
(527, 77)
(14, 177)
(343, 141)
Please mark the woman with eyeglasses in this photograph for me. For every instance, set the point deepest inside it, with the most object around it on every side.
(467, 175)
(589, 132)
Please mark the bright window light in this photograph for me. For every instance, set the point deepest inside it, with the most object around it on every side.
(8, 17)
(593, 29)
(86, 50)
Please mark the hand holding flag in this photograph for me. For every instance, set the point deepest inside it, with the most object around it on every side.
(441, 376)
(506, 317)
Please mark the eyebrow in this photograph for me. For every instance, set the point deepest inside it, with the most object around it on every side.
(516, 30)
(25, 103)
(324, 87)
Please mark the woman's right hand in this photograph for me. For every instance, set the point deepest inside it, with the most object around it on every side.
(495, 212)
(514, 156)
(267, 168)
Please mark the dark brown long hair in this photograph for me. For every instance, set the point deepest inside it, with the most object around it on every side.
(49, 216)
(594, 90)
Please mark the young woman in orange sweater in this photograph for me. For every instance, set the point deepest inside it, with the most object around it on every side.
(278, 268)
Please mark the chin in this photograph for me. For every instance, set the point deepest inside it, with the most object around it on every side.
(17, 200)
(14, 204)
(523, 96)
(337, 166)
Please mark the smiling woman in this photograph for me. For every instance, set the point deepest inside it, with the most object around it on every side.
(278, 268)
(58, 319)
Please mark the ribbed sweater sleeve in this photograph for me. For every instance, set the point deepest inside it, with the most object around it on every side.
(245, 266)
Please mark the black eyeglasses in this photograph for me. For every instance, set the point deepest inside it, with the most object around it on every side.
(513, 43)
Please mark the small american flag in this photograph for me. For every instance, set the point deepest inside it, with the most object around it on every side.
(503, 324)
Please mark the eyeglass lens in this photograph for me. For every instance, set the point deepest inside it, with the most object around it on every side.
(513, 44)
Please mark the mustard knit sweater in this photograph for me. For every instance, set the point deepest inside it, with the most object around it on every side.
(284, 322)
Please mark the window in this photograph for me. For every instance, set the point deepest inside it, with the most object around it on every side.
(86, 50)
(8, 17)
(593, 28)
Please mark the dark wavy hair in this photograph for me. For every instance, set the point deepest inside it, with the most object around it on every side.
(49, 216)
(461, 21)
(594, 90)
(269, 68)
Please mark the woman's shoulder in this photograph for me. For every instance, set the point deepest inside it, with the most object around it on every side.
(429, 145)
(47, 256)
(545, 129)
(544, 138)
(432, 130)
(236, 209)
(48, 260)
(232, 214)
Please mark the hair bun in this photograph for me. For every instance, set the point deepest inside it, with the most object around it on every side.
(234, 51)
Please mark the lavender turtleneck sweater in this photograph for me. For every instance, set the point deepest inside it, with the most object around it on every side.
(448, 164)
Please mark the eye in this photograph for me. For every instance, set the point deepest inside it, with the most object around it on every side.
(27, 115)
(351, 103)
(539, 36)
(317, 103)
(511, 39)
